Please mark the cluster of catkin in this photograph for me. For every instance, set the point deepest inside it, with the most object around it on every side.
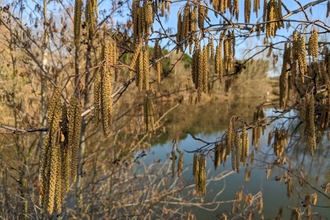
(258, 119)
(189, 18)
(274, 17)
(142, 70)
(237, 144)
(199, 165)
(299, 56)
(280, 141)
(59, 152)
(180, 162)
(103, 87)
(158, 55)
(221, 6)
(229, 51)
(149, 114)
(220, 154)
(143, 19)
(200, 70)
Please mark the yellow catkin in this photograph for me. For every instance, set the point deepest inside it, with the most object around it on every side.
(193, 19)
(157, 55)
(77, 21)
(211, 46)
(236, 8)
(186, 21)
(52, 178)
(74, 125)
(200, 74)
(260, 205)
(51, 139)
(107, 73)
(145, 109)
(302, 57)
(179, 34)
(59, 193)
(140, 74)
(310, 124)
(91, 16)
(314, 199)
(247, 10)
(135, 58)
(220, 62)
(146, 69)
(151, 112)
(45, 159)
(205, 69)
(195, 166)
(313, 45)
(244, 144)
(256, 7)
(202, 176)
(53, 105)
(194, 68)
(201, 16)
(247, 174)
(97, 98)
(237, 151)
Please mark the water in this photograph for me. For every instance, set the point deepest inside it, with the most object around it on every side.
(314, 170)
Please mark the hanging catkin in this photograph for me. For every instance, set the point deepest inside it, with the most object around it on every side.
(313, 45)
(77, 21)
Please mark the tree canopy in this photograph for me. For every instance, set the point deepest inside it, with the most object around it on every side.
(80, 79)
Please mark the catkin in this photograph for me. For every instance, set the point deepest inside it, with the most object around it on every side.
(74, 116)
(205, 69)
(313, 45)
(140, 74)
(146, 69)
(193, 19)
(244, 144)
(247, 10)
(52, 177)
(134, 59)
(201, 16)
(256, 7)
(77, 21)
(237, 151)
(200, 75)
(157, 55)
(302, 57)
(310, 124)
(97, 97)
(236, 8)
(107, 73)
(91, 16)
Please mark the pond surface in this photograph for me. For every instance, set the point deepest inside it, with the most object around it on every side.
(210, 121)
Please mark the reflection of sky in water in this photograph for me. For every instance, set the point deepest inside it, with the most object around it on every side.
(274, 192)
